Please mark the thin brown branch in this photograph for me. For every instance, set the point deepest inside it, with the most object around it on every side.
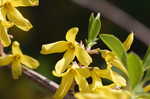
(42, 81)
(118, 17)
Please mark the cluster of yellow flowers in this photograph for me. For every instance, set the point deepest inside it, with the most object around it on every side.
(9, 17)
(78, 76)
(77, 73)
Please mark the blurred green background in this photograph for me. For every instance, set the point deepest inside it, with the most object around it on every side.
(51, 19)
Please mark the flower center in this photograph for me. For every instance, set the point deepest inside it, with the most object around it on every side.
(7, 5)
(17, 57)
(71, 46)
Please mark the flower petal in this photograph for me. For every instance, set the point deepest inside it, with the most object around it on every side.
(96, 81)
(118, 80)
(16, 17)
(62, 64)
(147, 88)
(29, 62)
(18, 3)
(82, 56)
(16, 48)
(16, 69)
(82, 83)
(6, 60)
(128, 42)
(71, 34)
(64, 87)
(84, 71)
(103, 73)
(119, 65)
(4, 37)
(82, 95)
(57, 47)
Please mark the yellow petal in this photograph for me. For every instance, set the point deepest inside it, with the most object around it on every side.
(82, 56)
(118, 80)
(64, 87)
(4, 37)
(71, 34)
(82, 82)
(90, 96)
(147, 88)
(110, 58)
(62, 64)
(16, 69)
(6, 60)
(29, 62)
(57, 47)
(128, 42)
(119, 65)
(17, 3)
(84, 71)
(16, 17)
(103, 73)
(96, 81)
(7, 24)
(62, 74)
(16, 48)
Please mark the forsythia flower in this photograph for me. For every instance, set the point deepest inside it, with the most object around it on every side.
(17, 59)
(96, 74)
(112, 59)
(8, 11)
(104, 93)
(72, 49)
(8, 8)
(4, 25)
(74, 73)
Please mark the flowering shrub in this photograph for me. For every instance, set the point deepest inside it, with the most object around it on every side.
(125, 71)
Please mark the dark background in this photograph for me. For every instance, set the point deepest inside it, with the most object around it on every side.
(51, 19)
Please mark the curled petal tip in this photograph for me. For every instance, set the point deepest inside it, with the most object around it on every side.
(15, 43)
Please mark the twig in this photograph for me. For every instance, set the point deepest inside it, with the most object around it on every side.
(118, 16)
(41, 80)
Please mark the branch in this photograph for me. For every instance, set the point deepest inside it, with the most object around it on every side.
(118, 16)
(43, 81)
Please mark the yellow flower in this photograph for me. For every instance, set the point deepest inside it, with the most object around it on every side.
(17, 59)
(112, 59)
(4, 25)
(74, 73)
(104, 93)
(9, 10)
(96, 74)
(71, 49)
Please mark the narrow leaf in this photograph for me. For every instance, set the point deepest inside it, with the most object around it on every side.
(115, 45)
(146, 63)
(94, 28)
(146, 60)
(135, 69)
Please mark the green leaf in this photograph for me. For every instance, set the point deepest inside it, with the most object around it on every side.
(135, 69)
(146, 63)
(93, 29)
(146, 60)
(115, 45)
